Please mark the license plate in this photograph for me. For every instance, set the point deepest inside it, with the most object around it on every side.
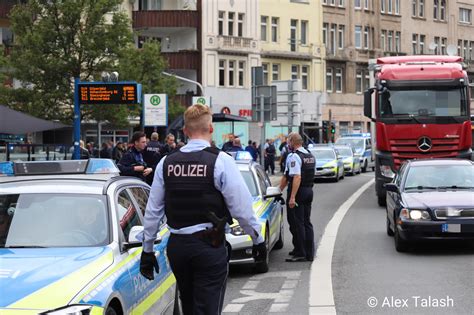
(451, 228)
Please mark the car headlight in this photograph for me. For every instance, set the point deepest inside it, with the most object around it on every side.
(76, 309)
(386, 171)
(237, 230)
(417, 215)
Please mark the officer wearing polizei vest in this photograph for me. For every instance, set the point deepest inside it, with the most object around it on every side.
(199, 189)
(299, 176)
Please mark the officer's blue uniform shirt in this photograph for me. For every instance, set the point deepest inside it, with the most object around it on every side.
(227, 179)
(294, 163)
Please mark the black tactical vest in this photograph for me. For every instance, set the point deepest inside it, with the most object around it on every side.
(308, 166)
(189, 188)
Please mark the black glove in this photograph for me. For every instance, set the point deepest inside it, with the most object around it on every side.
(259, 252)
(148, 262)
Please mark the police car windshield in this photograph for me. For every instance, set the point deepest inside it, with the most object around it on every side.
(324, 154)
(345, 152)
(249, 180)
(357, 144)
(53, 220)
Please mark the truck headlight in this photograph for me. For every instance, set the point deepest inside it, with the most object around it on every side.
(237, 230)
(386, 171)
(75, 309)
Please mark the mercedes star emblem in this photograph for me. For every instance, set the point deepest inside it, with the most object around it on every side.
(424, 144)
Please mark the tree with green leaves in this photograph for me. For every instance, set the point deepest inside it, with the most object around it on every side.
(57, 41)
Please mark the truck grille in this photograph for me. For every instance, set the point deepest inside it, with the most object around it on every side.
(455, 213)
(403, 150)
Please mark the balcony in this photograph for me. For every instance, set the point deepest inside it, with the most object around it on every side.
(183, 59)
(238, 44)
(165, 18)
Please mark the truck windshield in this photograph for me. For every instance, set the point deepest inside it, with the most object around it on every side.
(423, 102)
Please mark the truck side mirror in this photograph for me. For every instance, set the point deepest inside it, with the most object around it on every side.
(368, 103)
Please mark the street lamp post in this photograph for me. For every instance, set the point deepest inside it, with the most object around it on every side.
(185, 79)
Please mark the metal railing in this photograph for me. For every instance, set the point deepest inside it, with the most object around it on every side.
(35, 152)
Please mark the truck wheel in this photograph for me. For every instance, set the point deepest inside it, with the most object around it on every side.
(382, 200)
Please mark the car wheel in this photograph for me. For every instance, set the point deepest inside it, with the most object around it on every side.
(176, 308)
(336, 178)
(262, 267)
(373, 168)
(280, 243)
(400, 244)
(389, 229)
(382, 200)
(364, 168)
(111, 311)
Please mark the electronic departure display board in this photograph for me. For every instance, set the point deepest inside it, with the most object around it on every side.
(108, 93)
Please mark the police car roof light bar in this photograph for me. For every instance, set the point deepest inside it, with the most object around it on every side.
(91, 166)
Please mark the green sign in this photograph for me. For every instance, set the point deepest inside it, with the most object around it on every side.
(155, 100)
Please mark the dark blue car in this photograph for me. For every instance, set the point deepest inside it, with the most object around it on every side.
(429, 200)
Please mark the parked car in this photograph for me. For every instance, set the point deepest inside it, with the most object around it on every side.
(430, 200)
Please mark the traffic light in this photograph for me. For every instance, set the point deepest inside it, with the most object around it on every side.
(325, 132)
(333, 128)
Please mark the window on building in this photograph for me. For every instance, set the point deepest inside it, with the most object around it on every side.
(263, 28)
(265, 73)
(332, 44)
(414, 44)
(367, 80)
(325, 1)
(389, 6)
(357, 4)
(390, 41)
(414, 7)
(304, 77)
(275, 72)
(230, 23)
(359, 74)
(231, 72)
(221, 23)
(274, 29)
(295, 72)
(435, 9)
(341, 36)
(465, 15)
(436, 40)
(240, 25)
(338, 80)
(383, 36)
(471, 50)
(341, 3)
(358, 36)
(397, 6)
(466, 49)
(304, 32)
(444, 41)
(221, 72)
(241, 73)
(382, 6)
(366, 37)
(366, 4)
(293, 32)
(442, 10)
(333, 2)
(343, 127)
(459, 47)
(325, 34)
(421, 11)
(422, 44)
(329, 80)
(397, 41)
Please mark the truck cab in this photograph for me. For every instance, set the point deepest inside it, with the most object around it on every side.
(421, 109)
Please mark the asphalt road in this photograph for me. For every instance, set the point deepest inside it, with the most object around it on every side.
(285, 288)
(364, 265)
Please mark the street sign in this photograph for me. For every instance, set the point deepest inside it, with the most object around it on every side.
(155, 110)
(109, 93)
(288, 103)
(203, 100)
(270, 101)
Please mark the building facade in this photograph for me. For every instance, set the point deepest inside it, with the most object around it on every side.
(292, 49)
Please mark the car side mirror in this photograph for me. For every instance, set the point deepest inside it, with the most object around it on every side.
(135, 238)
(391, 187)
(272, 192)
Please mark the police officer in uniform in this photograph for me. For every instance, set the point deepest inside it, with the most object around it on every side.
(199, 189)
(299, 176)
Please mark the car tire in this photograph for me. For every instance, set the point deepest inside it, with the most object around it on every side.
(336, 178)
(400, 244)
(176, 306)
(389, 229)
(382, 200)
(262, 267)
(364, 168)
(280, 243)
(373, 168)
(110, 311)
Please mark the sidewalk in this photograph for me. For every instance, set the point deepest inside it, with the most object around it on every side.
(275, 179)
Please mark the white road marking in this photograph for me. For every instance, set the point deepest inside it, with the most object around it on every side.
(251, 285)
(233, 308)
(290, 284)
(321, 296)
(278, 308)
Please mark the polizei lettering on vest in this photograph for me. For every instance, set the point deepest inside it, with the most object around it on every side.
(309, 160)
(187, 170)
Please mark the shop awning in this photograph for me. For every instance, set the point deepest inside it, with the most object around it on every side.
(15, 123)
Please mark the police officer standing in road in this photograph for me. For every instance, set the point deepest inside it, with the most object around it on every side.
(199, 189)
(299, 176)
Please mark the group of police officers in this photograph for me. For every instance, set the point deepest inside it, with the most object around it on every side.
(200, 189)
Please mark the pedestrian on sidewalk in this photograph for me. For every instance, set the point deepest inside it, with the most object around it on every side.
(270, 153)
(299, 176)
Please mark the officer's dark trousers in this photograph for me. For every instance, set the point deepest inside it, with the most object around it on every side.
(303, 234)
(201, 273)
(270, 163)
